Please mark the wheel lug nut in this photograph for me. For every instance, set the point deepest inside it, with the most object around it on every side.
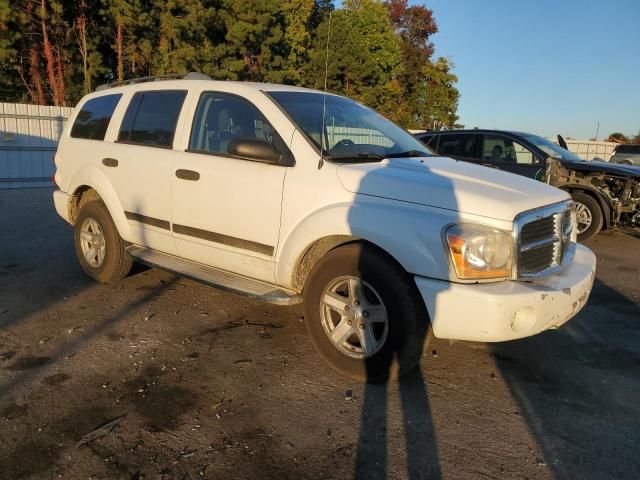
(356, 303)
(361, 326)
(365, 313)
(349, 322)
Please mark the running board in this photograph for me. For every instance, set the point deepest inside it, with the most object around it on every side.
(215, 277)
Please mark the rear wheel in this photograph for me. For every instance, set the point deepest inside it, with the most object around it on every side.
(589, 215)
(364, 314)
(99, 248)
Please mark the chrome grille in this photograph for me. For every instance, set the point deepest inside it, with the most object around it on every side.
(543, 239)
(537, 259)
(537, 230)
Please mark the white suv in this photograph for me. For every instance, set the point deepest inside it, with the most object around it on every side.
(283, 193)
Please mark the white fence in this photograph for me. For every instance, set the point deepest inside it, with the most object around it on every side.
(28, 138)
(589, 149)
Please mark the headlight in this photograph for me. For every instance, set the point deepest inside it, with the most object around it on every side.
(480, 252)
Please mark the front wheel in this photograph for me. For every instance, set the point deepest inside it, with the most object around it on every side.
(364, 314)
(589, 216)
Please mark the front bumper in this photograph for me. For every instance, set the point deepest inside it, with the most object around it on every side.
(494, 312)
(61, 202)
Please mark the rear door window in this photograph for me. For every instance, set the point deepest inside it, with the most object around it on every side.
(459, 145)
(151, 118)
(93, 118)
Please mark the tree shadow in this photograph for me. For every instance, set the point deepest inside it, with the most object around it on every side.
(38, 266)
(578, 388)
(31, 259)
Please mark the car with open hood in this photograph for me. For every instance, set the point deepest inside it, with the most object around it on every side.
(290, 195)
(606, 194)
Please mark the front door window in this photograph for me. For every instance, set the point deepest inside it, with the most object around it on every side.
(500, 149)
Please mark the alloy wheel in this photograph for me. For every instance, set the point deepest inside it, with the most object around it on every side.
(354, 317)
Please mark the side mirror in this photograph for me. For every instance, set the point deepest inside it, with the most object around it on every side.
(255, 149)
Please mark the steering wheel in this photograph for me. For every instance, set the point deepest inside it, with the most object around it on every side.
(344, 143)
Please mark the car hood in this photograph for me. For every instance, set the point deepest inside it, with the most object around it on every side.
(449, 184)
(606, 167)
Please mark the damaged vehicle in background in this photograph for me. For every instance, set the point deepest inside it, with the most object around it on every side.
(607, 195)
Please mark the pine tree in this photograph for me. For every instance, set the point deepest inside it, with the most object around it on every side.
(364, 59)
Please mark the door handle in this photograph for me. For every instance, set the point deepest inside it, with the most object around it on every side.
(110, 162)
(188, 175)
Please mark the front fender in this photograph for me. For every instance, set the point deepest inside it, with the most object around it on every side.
(411, 234)
(91, 176)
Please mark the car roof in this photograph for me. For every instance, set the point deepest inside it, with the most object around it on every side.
(199, 84)
(475, 130)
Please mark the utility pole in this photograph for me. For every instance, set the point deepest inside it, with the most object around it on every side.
(597, 130)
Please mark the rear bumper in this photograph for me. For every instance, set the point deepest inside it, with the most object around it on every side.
(61, 202)
(494, 312)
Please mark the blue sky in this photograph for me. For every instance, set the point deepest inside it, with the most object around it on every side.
(543, 66)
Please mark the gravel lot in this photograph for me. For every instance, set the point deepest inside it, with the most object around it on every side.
(210, 385)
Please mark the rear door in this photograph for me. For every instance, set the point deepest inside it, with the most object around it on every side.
(139, 163)
(461, 146)
(506, 153)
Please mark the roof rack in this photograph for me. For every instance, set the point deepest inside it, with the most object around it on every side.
(172, 76)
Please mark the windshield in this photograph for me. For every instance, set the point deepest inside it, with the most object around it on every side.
(352, 132)
(551, 149)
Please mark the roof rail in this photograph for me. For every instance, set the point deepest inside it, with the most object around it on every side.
(172, 76)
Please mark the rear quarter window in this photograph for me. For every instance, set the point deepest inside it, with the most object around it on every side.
(151, 118)
(93, 118)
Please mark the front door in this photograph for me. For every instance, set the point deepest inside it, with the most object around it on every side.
(507, 154)
(226, 209)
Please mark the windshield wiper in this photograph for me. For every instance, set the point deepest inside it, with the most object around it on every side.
(408, 153)
(375, 157)
(356, 158)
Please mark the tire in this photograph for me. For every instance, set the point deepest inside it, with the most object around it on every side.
(593, 214)
(113, 263)
(383, 283)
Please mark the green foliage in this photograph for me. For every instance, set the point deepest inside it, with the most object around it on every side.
(364, 58)
(55, 51)
(620, 137)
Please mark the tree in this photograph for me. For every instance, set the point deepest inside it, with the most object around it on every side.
(56, 51)
(298, 15)
(429, 96)
(253, 47)
(33, 49)
(364, 59)
(621, 137)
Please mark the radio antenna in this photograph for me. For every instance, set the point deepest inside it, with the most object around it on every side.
(324, 97)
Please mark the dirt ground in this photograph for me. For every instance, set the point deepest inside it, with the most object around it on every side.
(205, 384)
